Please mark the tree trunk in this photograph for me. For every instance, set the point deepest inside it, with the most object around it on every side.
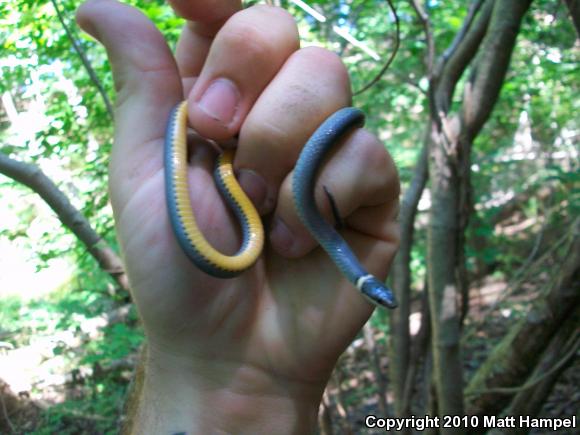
(401, 278)
(574, 8)
(419, 351)
(453, 62)
(449, 169)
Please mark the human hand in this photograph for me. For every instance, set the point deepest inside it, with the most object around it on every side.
(250, 354)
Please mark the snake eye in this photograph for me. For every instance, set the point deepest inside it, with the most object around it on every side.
(378, 293)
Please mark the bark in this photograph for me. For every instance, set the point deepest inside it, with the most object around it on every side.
(459, 54)
(455, 61)
(480, 95)
(574, 8)
(449, 166)
(515, 357)
(32, 177)
(401, 278)
(444, 291)
(443, 79)
(443, 223)
(400, 344)
(486, 82)
(419, 350)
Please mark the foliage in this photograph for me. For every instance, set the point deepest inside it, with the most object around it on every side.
(70, 329)
(62, 126)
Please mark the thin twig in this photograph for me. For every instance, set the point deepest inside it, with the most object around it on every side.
(539, 237)
(79, 50)
(424, 18)
(391, 58)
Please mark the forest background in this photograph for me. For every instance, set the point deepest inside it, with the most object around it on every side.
(479, 108)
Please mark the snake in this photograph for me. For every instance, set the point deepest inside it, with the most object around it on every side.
(213, 262)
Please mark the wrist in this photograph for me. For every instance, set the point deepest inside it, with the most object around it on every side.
(205, 396)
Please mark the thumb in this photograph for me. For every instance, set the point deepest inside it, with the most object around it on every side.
(147, 83)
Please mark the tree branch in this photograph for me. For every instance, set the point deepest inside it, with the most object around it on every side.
(32, 177)
(459, 36)
(425, 22)
(574, 9)
(401, 276)
(419, 348)
(483, 88)
(79, 50)
(449, 70)
(391, 58)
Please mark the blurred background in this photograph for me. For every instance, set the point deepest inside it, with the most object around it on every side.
(478, 103)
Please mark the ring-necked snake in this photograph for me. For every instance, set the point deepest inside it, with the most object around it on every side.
(217, 264)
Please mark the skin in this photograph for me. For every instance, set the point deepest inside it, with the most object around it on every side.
(251, 354)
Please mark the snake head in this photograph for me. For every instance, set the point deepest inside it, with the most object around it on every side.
(376, 292)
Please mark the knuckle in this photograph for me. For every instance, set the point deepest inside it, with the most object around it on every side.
(372, 151)
(247, 39)
(328, 62)
(378, 162)
(267, 132)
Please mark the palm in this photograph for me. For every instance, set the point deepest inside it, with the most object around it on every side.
(292, 316)
(278, 311)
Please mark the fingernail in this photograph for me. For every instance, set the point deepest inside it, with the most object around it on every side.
(220, 101)
(281, 236)
(255, 187)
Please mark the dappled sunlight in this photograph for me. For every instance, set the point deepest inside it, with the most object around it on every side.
(20, 275)
(479, 113)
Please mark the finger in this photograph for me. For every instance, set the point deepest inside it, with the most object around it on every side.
(205, 18)
(147, 84)
(312, 84)
(378, 223)
(205, 11)
(243, 58)
(361, 176)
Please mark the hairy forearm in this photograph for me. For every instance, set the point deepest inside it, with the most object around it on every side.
(169, 397)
